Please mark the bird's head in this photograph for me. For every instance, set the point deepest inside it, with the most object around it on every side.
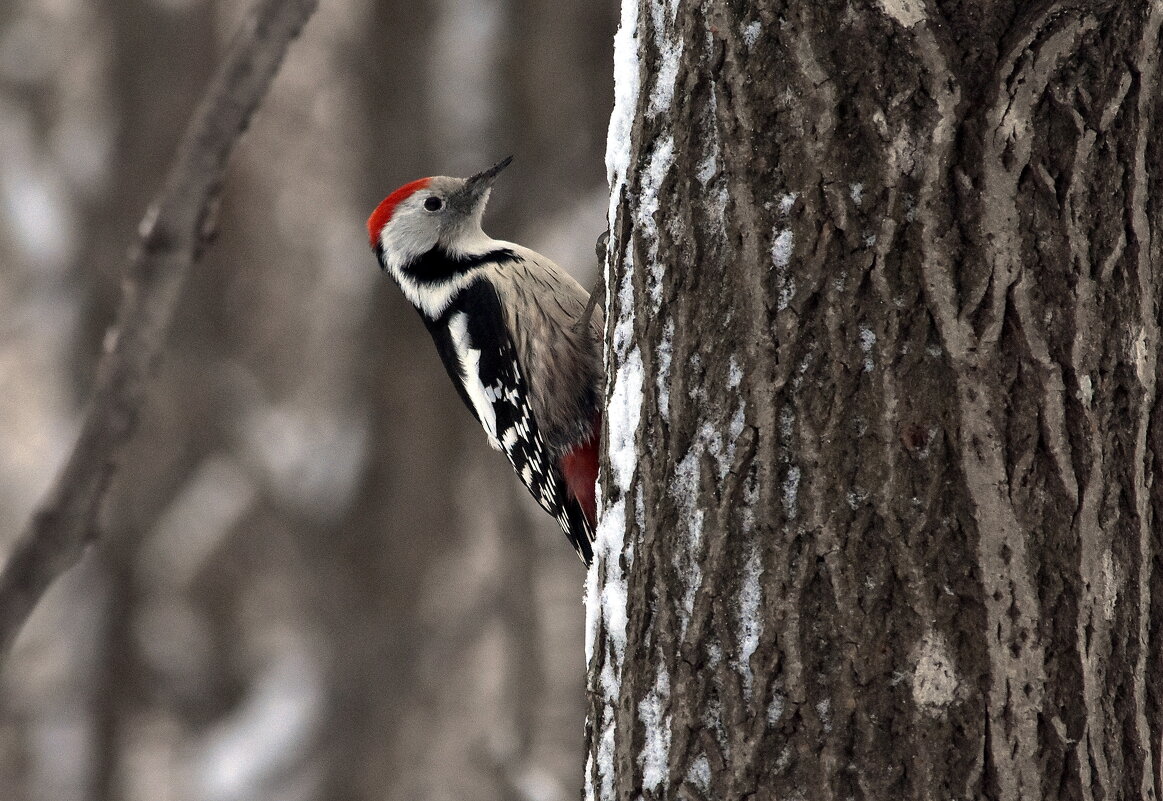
(432, 213)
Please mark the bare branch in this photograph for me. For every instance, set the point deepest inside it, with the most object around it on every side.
(177, 228)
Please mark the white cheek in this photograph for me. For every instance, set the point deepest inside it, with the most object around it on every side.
(405, 238)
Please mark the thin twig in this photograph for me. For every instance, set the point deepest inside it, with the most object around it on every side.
(177, 228)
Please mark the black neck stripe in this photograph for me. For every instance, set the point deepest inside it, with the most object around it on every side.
(437, 265)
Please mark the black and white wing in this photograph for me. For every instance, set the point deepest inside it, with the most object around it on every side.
(482, 361)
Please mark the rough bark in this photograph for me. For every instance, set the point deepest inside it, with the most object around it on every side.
(881, 491)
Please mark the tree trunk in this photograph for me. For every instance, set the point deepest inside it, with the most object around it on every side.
(881, 485)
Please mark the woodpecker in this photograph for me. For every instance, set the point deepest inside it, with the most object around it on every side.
(515, 332)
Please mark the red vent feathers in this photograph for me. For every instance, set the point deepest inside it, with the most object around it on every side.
(579, 467)
(383, 212)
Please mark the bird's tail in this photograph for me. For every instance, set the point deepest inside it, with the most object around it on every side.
(578, 529)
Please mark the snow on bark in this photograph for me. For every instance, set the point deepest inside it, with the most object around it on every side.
(606, 581)
(782, 245)
(781, 248)
(661, 161)
(670, 54)
(867, 342)
(750, 621)
(685, 488)
(775, 708)
(626, 68)
(791, 489)
(655, 754)
(606, 601)
(751, 33)
(623, 414)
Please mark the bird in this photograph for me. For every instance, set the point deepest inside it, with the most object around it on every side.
(518, 336)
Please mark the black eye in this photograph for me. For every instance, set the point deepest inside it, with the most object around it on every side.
(433, 203)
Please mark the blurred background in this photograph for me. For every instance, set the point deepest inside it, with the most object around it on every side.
(315, 579)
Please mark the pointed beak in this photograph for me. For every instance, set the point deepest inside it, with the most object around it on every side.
(478, 186)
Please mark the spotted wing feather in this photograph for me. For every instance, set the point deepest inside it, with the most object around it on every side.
(515, 425)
